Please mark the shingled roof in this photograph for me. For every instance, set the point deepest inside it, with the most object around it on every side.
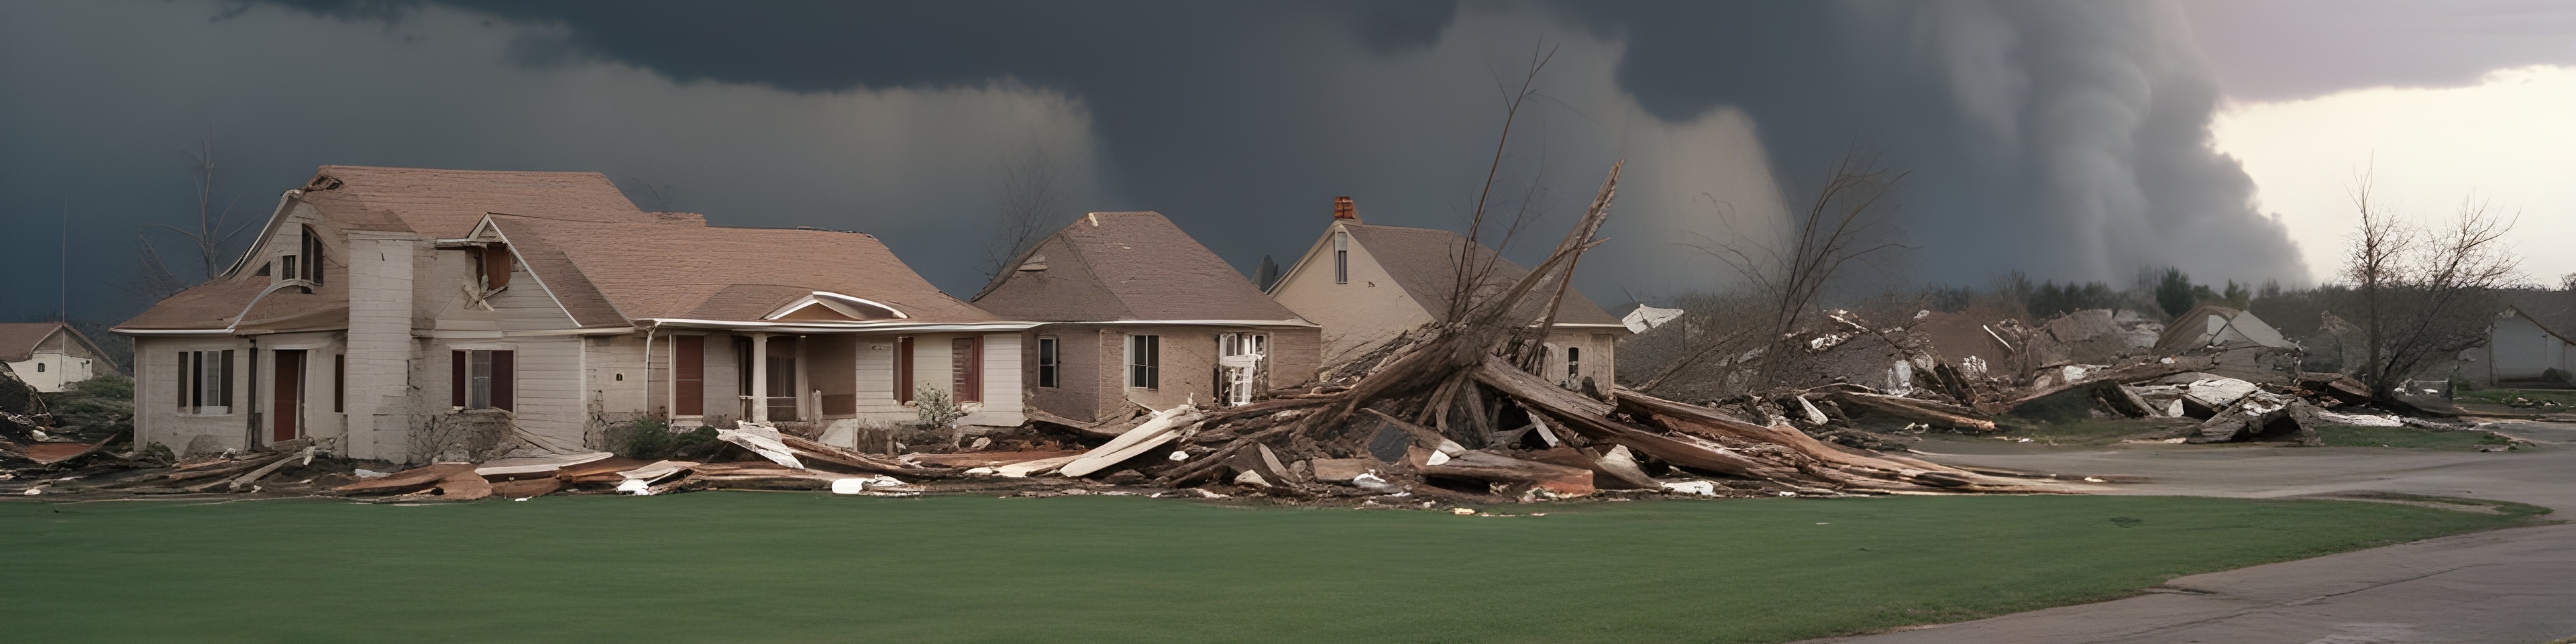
(1115, 266)
(18, 341)
(591, 249)
(1423, 262)
(445, 204)
(677, 267)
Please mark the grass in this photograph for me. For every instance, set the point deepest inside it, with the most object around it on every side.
(2412, 437)
(776, 567)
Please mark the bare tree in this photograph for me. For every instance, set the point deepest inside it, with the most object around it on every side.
(1028, 209)
(213, 230)
(1473, 270)
(2425, 295)
(1847, 220)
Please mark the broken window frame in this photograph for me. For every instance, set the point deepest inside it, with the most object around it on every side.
(1573, 367)
(1144, 361)
(1250, 352)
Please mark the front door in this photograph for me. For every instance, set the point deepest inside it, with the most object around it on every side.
(1238, 362)
(781, 396)
(285, 418)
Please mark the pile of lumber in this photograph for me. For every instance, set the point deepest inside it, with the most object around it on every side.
(1454, 405)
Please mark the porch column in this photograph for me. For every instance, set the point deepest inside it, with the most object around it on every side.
(759, 377)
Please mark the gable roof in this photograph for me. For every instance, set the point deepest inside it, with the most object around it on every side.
(1111, 266)
(675, 267)
(2517, 311)
(18, 340)
(1423, 262)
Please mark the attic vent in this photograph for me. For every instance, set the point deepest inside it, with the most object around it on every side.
(321, 182)
(1035, 263)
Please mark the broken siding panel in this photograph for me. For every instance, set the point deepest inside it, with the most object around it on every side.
(614, 368)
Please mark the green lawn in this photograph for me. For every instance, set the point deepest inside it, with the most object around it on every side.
(2416, 437)
(778, 567)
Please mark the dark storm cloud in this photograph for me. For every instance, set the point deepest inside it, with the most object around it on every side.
(2067, 139)
(2064, 139)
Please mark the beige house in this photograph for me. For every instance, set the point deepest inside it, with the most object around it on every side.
(50, 356)
(396, 313)
(1365, 284)
(1136, 310)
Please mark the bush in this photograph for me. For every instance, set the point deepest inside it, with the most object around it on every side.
(651, 439)
(2558, 376)
(934, 408)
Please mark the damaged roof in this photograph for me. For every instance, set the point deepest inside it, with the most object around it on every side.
(1112, 266)
(1423, 263)
(446, 204)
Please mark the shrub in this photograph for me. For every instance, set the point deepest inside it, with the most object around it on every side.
(2558, 376)
(935, 409)
(651, 439)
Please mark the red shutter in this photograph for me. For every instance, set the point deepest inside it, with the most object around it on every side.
(456, 379)
(689, 375)
(504, 381)
(903, 370)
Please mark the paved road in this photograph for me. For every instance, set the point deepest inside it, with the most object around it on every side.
(2515, 586)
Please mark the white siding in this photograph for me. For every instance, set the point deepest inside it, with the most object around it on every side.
(1356, 316)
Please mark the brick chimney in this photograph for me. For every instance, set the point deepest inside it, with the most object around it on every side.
(1344, 209)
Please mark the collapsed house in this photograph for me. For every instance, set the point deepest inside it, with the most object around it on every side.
(50, 356)
(1139, 315)
(412, 315)
(1368, 284)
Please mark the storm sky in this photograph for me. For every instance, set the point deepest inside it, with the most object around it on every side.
(2072, 141)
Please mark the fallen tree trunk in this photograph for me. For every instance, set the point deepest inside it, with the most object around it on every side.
(1921, 411)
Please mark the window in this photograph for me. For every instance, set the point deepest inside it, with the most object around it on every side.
(1573, 367)
(1145, 361)
(966, 368)
(339, 383)
(205, 382)
(287, 268)
(1341, 258)
(1049, 361)
(312, 252)
(1238, 364)
(483, 379)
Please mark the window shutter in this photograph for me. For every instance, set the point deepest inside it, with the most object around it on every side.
(456, 379)
(903, 369)
(186, 369)
(690, 375)
(226, 380)
(339, 382)
(504, 380)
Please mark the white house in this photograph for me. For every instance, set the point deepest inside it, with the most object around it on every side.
(50, 356)
(392, 312)
(2519, 347)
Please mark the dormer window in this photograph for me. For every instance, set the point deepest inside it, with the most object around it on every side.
(311, 252)
(1341, 257)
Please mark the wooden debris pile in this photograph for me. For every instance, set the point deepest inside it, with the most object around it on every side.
(1454, 408)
